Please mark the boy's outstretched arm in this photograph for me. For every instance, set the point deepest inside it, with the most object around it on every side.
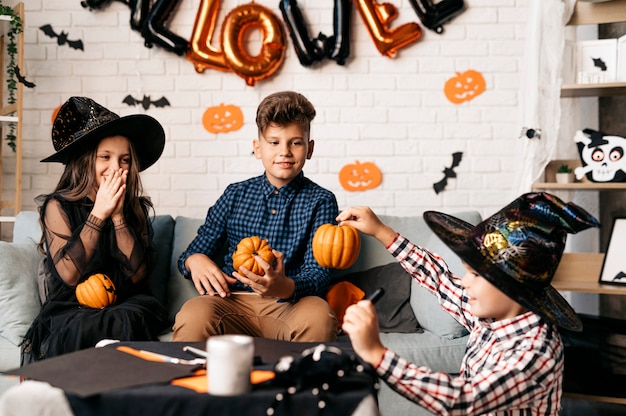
(364, 220)
(361, 324)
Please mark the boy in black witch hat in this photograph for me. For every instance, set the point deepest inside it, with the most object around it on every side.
(513, 364)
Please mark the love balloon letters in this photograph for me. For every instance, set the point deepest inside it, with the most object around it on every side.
(225, 51)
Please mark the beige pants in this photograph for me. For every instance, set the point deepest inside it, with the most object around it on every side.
(309, 320)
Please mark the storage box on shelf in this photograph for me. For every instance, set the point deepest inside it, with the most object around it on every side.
(586, 13)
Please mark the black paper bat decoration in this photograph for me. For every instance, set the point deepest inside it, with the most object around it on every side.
(599, 63)
(619, 276)
(146, 101)
(62, 38)
(448, 172)
(21, 78)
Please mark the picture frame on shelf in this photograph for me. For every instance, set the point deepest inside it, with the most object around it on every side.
(613, 270)
(596, 61)
(621, 59)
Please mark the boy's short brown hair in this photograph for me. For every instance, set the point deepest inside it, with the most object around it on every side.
(283, 108)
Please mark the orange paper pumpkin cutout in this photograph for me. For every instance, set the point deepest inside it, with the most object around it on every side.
(55, 112)
(464, 86)
(359, 176)
(222, 118)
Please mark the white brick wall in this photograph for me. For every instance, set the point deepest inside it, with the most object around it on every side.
(389, 111)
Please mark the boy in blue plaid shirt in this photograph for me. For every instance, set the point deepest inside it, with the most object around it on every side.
(283, 207)
(513, 364)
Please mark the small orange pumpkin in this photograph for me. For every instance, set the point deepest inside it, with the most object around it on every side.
(335, 246)
(222, 118)
(464, 86)
(97, 291)
(248, 248)
(359, 176)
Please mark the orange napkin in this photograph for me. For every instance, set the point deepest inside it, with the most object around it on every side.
(340, 296)
(199, 383)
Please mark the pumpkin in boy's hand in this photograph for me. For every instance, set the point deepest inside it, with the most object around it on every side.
(248, 248)
(97, 291)
(335, 246)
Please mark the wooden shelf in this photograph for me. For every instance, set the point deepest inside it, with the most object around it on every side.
(593, 90)
(581, 186)
(549, 180)
(580, 272)
(588, 13)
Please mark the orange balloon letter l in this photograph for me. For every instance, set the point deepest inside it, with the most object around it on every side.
(201, 52)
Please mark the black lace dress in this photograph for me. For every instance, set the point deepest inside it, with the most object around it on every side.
(80, 245)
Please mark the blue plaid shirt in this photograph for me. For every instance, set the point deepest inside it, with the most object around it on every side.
(287, 217)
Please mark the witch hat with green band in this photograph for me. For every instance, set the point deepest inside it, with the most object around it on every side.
(519, 248)
(81, 123)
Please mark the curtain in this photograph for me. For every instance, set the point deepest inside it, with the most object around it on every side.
(540, 92)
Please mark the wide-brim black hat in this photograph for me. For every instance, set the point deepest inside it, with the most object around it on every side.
(81, 123)
(518, 250)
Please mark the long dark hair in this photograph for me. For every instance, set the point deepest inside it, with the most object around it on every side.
(78, 182)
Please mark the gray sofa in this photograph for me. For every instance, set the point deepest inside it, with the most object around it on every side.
(439, 344)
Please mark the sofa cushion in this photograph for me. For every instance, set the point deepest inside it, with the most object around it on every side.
(425, 305)
(393, 309)
(163, 227)
(179, 288)
(19, 295)
(27, 227)
(431, 315)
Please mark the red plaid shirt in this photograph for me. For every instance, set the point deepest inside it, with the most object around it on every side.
(510, 367)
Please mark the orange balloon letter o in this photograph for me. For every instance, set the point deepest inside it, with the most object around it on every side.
(234, 34)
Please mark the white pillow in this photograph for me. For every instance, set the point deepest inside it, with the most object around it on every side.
(19, 294)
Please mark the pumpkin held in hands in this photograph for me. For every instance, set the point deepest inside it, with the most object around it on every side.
(97, 291)
(248, 248)
(336, 247)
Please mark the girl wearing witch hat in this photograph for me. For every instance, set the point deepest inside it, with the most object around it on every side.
(96, 221)
(513, 364)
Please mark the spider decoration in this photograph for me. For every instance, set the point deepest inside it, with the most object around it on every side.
(321, 369)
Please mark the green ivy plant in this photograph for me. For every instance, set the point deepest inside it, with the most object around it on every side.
(15, 29)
